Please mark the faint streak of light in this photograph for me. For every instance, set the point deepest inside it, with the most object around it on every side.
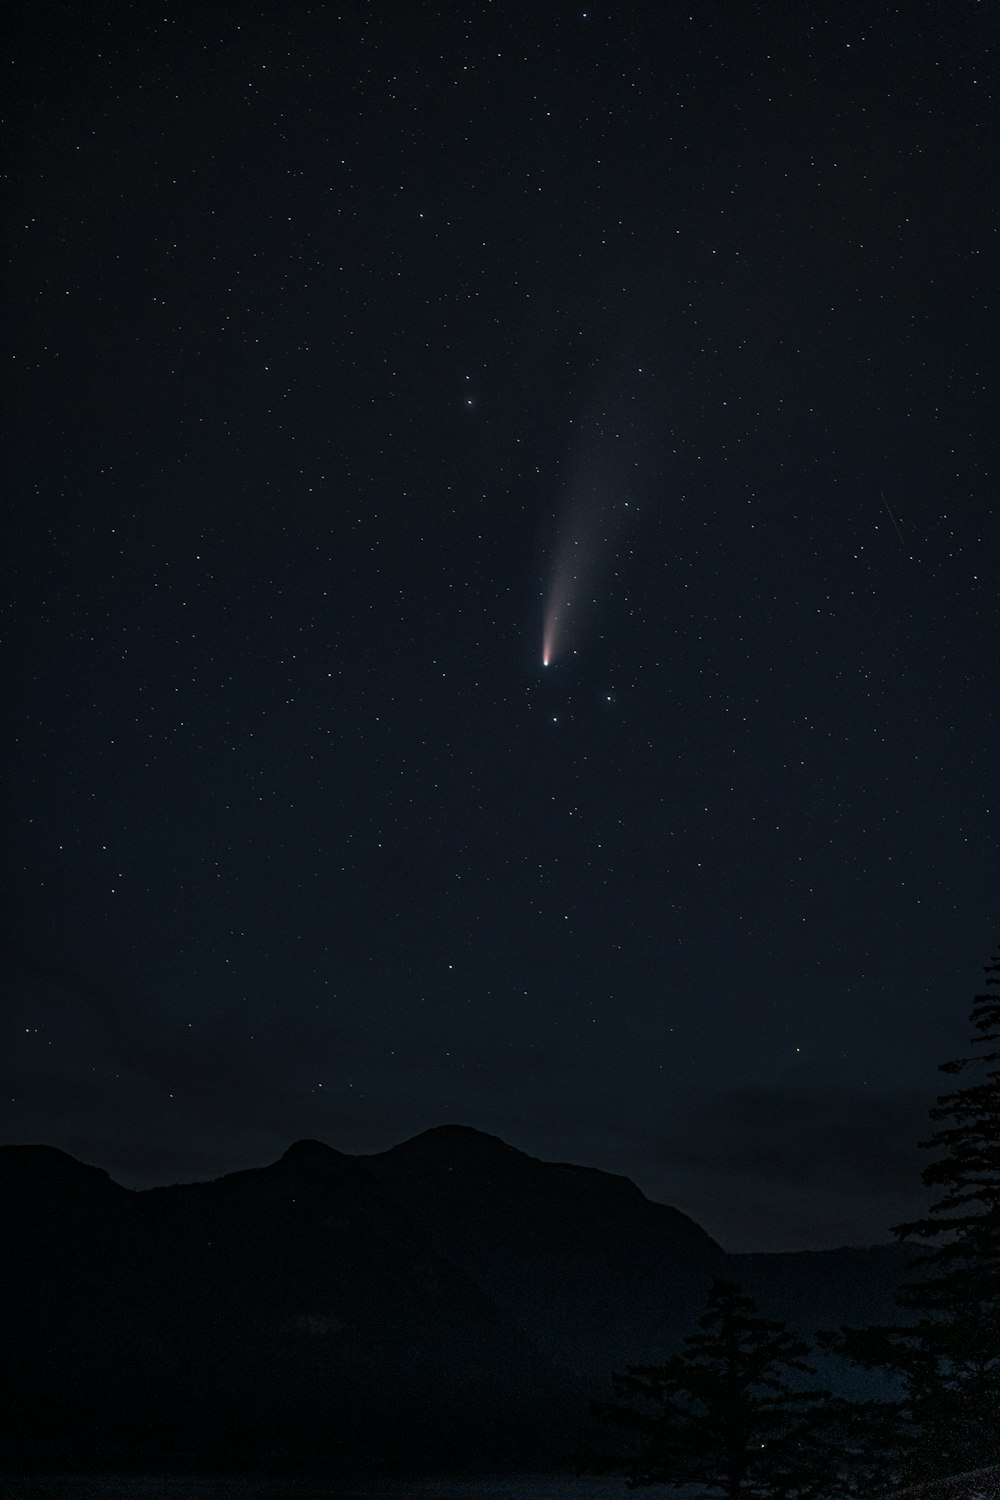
(895, 523)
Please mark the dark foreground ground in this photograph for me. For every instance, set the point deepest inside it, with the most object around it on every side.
(153, 1487)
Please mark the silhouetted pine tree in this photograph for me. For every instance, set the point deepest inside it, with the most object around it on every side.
(722, 1414)
(947, 1362)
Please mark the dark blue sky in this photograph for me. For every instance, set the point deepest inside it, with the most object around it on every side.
(333, 328)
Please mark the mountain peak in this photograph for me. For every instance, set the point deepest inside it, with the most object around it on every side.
(452, 1146)
(313, 1158)
(40, 1164)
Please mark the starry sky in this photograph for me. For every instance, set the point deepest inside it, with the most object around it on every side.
(366, 354)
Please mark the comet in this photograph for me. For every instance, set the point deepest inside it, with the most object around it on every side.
(588, 521)
(591, 509)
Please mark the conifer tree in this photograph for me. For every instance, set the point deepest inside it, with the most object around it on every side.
(722, 1413)
(947, 1359)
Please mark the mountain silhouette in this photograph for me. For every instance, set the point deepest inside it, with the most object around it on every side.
(589, 1270)
(449, 1301)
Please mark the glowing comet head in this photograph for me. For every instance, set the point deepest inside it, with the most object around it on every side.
(548, 642)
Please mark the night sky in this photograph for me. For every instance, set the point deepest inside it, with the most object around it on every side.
(366, 354)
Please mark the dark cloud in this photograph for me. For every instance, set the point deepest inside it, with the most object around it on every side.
(798, 1164)
(152, 1095)
(794, 1134)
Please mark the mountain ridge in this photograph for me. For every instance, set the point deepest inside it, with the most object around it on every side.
(449, 1300)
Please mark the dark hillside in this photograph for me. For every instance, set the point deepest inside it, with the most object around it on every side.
(589, 1269)
(449, 1301)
